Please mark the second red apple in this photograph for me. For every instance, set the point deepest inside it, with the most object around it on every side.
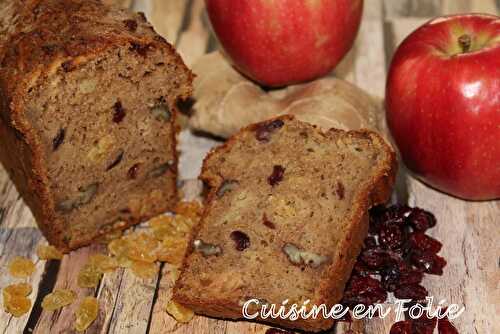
(278, 43)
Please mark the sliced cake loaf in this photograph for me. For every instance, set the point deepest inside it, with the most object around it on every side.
(88, 99)
(285, 218)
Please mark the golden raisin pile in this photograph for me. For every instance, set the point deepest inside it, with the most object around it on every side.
(15, 296)
(164, 240)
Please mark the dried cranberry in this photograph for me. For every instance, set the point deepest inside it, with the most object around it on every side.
(58, 139)
(430, 263)
(390, 278)
(267, 222)
(425, 243)
(49, 49)
(119, 112)
(398, 274)
(394, 277)
(141, 49)
(68, 66)
(130, 24)
(370, 242)
(364, 290)
(394, 215)
(423, 325)
(446, 327)
(411, 291)
(133, 171)
(276, 176)
(391, 237)
(361, 269)
(374, 258)
(340, 190)
(421, 220)
(264, 131)
(241, 240)
(401, 327)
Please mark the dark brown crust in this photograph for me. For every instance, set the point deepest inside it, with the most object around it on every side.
(377, 192)
(38, 37)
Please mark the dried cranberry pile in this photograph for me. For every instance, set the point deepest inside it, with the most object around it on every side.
(396, 255)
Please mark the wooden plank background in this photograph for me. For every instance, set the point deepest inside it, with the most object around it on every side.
(468, 230)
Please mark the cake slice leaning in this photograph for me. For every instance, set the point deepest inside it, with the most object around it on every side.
(285, 219)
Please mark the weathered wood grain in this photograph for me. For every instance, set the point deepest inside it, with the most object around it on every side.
(470, 6)
(412, 8)
(61, 321)
(133, 303)
(18, 237)
(365, 64)
(193, 41)
(431, 8)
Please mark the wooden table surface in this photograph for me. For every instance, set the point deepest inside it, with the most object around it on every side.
(469, 231)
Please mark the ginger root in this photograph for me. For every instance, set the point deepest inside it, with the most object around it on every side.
(225, 101)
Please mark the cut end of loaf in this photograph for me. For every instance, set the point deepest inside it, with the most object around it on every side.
(107, 132)
(285, 218)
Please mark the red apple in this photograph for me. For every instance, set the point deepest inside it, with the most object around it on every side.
(443, 104)
(280, 42)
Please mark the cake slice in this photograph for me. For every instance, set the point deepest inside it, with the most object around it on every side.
(88, 97)
(285, 218)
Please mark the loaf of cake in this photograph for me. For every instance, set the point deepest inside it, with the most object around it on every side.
(88, 99)
(285, 218)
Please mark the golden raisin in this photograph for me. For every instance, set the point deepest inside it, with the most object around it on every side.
(192, 210)
(20, 289)
(161, 226)
(183, 225)
(172, 250)
(144, 270)
(179, 312)
(89, 276)
(142, 247)
(58, 299)
(16, 305)
(118, 247)
(86, 313)
(48, 252)
(103, 263)
(168, 226)
(21, 267)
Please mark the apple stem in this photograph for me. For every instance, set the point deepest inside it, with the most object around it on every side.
(465, 42)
